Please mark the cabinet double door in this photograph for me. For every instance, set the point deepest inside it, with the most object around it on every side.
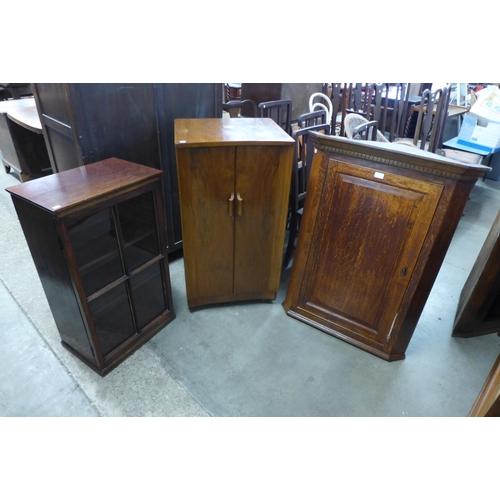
(233, 203)
(119, 268)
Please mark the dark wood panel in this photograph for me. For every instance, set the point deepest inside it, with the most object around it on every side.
(41, 234)
(173, 101)
(85, 123)
(478, 311)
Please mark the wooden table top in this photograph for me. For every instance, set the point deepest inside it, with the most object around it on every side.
(26, 115)
(9, 105)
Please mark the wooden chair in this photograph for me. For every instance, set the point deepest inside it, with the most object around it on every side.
(358, 127)
(302, 161)
(429, 129)
(336, 93)
(280, 111)
(387, 104)
(313, 118)
(246, 108)
(432, 112)
(345, 98)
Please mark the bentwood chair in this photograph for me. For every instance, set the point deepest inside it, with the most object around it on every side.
(280, 111)
(302, 161)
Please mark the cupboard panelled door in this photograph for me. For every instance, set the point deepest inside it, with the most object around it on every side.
(261, 182)
(208, 219)
(368, 233)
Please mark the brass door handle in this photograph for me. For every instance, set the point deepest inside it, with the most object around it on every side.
(239, 205)
(231, 205)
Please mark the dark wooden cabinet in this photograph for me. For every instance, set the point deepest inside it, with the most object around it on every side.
(84, 123)
(377, 223)
(96, 235)
(478, 311)
(234, 182)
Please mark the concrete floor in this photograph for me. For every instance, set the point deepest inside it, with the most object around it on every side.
(243, 359)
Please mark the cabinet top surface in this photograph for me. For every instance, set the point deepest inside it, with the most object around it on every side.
(60, 192)
(393, 154)
(8, 106)
(199, 132)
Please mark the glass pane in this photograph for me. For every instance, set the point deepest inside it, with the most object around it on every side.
(112, 318)
(147, 294)
(96, 250)
(138, 225)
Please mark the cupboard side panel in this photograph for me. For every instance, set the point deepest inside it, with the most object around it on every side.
(43, 241)
(206, 182)
(263, 177)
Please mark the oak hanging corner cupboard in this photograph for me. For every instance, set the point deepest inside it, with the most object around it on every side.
(97, 237)
(377, 223)
(234, 182)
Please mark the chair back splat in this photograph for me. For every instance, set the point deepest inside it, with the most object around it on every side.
(313, 118)
(280, 111)
(432, 114)
(302, 161)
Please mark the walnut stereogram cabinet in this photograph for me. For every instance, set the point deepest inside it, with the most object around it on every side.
(97, 237)
(377, 223)
(234, 183)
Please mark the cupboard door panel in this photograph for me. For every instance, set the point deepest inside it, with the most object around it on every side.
(369, 231)
(148, 295)
(138, 225)
(206, 181)
(95, 246)
(112, 318)
(262, 182)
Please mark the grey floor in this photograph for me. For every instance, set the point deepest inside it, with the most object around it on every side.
(243, 359)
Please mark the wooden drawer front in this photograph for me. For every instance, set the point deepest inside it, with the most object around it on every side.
(368, 233)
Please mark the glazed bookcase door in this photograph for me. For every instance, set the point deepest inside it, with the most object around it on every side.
(117, 253)
(369, 232)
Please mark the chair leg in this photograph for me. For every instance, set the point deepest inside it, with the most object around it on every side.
(292, 233)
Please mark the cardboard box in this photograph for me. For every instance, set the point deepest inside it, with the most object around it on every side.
(478, 136)
(487, 106)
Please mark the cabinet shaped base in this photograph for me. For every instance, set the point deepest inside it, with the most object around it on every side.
(222, 299)
(334, 333)
(125, 350)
